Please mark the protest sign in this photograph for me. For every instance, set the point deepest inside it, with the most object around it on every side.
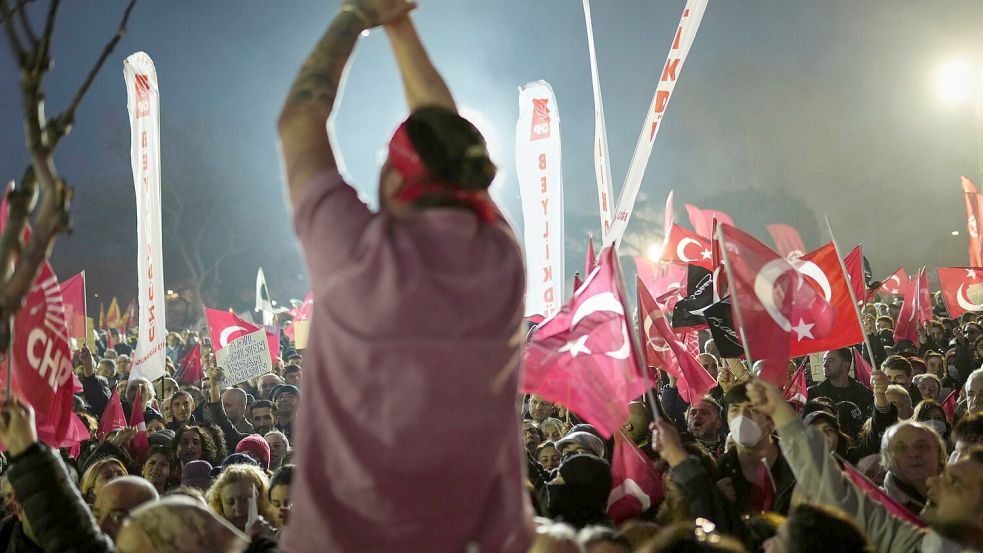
(248, 356)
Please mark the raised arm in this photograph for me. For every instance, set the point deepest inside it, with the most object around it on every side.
(423, 84)
(303, 122)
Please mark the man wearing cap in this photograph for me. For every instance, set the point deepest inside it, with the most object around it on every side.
(285, 398)
(580, 442)
(418, 313)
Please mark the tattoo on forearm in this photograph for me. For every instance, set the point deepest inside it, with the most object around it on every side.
(320, 76)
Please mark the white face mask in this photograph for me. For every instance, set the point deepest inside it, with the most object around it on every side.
(745, 431)
(938, 426)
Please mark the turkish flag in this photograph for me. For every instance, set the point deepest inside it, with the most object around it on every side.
(112, 417)
(636, 485)
(660, 277)
(73, 298)
(854, 262)
(924, 298)
(225, 326)
(140, 442)
(950, 404)
(796, 390)
(822, 270)
(665, 350)
(582, 357)
(974, 208)
(42, 363)
(906, 327)
(591, 263)
(191, 369)
(861, 368)
(788, 243)
(774, 301)
(702, 219)
(955, 283)
(683, 246)
(896, 284)
(872, 491)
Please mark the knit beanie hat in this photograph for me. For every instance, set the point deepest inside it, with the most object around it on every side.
(256, 446)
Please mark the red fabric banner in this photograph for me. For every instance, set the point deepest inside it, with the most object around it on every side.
(788, 243)
(636, 485)
(702, 219)
(955, 283)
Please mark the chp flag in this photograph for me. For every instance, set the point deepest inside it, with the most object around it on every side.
(143, 105)
(540, 173)
(962, 289)
(583, 357)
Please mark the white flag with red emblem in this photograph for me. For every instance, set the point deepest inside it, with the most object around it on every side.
(962, 289)
(636, 485)
(583, 357)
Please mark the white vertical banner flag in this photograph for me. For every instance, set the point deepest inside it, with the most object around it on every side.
(602, 165)
(689, 24)
(143, 105)
(540, 172)
(263, 302)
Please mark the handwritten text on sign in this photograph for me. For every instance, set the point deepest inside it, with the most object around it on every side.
(248, 356)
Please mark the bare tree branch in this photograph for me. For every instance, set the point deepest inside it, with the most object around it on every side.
(66, 118)
(8, 25)
(25, 22)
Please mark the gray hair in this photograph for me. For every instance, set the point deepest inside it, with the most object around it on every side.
(134, 381)
(898, 389)
(887, 454)
(978, 373)
(278, 433)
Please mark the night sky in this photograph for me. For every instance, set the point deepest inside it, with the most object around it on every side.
(830, 106)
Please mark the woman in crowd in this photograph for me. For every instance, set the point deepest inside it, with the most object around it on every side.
(98, 474)
(239, 490)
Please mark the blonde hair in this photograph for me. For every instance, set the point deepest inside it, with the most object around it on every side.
(91, 474)
(242, 473)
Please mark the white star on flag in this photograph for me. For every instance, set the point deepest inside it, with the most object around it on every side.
(576, 347)
(803, 330)
(971, 273)
(707, 254)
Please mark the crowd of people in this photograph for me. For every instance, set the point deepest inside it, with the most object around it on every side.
(410, 435)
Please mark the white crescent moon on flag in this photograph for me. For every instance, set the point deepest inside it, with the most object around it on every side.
(223, 338)
(764, 288)
(897, 285)
(626, 488)
(648, 332)
(681, 249)
(605, 301)
(964, 302)
(811, 270)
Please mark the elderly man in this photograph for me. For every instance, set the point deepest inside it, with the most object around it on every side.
(954, 510)
(540, 409)
(234, 402)
(266, 384)
(182, 409)
(974, 391)
(911, 452)
(117, 498)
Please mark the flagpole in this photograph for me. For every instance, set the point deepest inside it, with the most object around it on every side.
(8, 393)
(853, 295)
(734, 301)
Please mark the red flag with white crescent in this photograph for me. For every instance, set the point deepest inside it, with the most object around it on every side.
(583, 357)
(636, 485)
(906, 327)
(821, 269)
(796, 390)
(225, 326)
(854, 262)
(861, 368)
(683, 246)
(956, 283)
(896, 284)
(660, 277)
(141, 441)
(774, 301)
(950, 404)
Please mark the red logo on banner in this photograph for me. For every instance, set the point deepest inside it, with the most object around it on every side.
(143, 95)
(540, 119)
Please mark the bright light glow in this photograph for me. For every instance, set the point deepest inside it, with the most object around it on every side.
(654, 252)
(273, 302)
(955, 233)
(170, 292)
(956, 82)
(488, 130)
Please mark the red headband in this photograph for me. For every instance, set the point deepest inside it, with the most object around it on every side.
(419, 183)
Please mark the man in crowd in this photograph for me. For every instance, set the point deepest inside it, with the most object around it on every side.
(898, 370)
(262, 416)
(182, 409)
(839, 385)
(540, 409)
(704, 421)
(293, 374)
(974, 391)
(234, 402)
(285, 397)
(266, 384)
(954, 510)
(433, 190)
(117, 498)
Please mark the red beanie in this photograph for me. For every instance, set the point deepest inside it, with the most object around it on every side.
(256, 446)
